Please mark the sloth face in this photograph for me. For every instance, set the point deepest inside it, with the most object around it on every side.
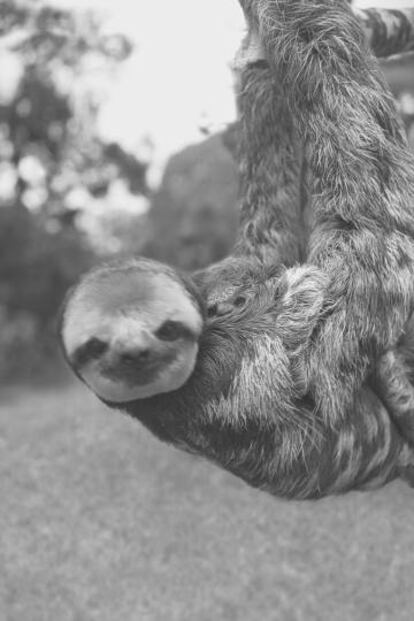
(130, 331)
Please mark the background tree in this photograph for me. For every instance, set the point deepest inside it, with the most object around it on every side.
(53, 170)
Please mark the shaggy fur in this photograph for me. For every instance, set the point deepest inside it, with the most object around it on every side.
(363, 189)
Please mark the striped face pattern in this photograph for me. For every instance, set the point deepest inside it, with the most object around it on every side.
(131, 333)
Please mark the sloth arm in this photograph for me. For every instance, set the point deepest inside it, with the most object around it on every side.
(363, 180)
(269, 159)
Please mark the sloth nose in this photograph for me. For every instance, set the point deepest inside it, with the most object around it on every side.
(135, 356)
(135, 363)
(131, 351)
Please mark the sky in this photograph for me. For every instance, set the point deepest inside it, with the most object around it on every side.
(179, 78)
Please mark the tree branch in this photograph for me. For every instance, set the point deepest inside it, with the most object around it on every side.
(388, 31)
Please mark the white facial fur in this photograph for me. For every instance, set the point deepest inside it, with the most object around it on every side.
(172, 377)
(124, 310)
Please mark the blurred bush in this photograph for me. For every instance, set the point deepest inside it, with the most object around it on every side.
(58, 180)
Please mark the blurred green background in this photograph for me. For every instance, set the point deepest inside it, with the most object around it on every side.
(98, 521)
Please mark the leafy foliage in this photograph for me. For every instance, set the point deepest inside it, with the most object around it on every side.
(49, 155)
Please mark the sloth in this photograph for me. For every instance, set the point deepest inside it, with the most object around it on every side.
(217, 364)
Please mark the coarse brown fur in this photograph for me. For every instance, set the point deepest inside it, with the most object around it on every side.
(363, 188)
(391, 379)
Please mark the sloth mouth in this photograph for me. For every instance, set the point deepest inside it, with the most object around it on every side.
(131, 376)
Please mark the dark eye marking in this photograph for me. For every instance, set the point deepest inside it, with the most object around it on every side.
(172, 331)
(91, 350)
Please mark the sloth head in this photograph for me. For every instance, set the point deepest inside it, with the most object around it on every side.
(130, 330)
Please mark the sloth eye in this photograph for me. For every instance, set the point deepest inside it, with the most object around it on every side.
(170, 331)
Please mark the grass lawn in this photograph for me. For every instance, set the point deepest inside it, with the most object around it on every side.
(99, 521)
